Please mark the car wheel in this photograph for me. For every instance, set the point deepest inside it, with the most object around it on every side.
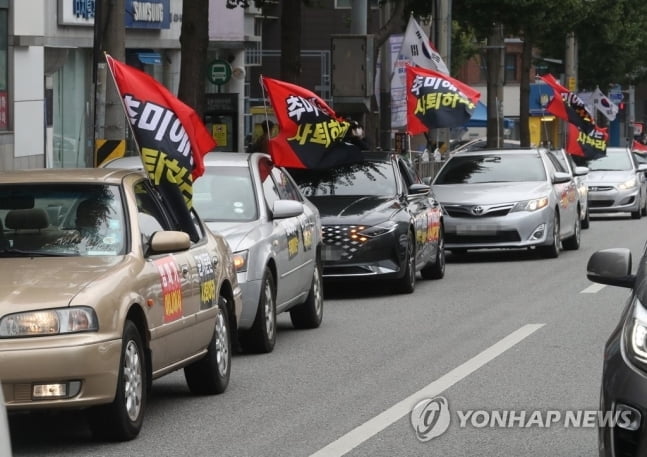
(573, 242)
(210, 375)
(122, 419)
(638, 213)
(262, 336)
(436, 270)
(310, 313)
(643, 212)
(586, 222)
(552, 250)
(407, 283)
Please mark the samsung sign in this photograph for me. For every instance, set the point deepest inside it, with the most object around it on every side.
(151, 14)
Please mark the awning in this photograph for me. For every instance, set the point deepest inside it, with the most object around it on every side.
(149, 58)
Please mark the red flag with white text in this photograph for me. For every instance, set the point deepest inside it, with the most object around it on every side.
(568, 106)
(639, 147)
(435, 100)
(311, 135)
(172, 138)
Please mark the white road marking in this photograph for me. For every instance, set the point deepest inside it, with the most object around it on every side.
(593, 289)
(378, 423)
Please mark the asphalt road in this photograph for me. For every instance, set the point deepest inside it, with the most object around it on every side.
(504, 331)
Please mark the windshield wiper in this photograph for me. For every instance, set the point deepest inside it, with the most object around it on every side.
(11, 252)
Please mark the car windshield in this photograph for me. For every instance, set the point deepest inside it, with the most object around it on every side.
(61, 220)
(225, 194)
(475, 169)
(615, 160)
(358, 179)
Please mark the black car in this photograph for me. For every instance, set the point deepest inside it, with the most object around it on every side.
(379, 221)
(623, 396)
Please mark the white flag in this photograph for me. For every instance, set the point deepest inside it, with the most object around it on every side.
(418, 49)
(604, 104)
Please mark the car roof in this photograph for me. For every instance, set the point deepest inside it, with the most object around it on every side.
(231, 159)
(65, 175)
(480, 152)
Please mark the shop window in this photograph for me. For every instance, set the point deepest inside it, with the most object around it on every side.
(511, 68)
(4, 70)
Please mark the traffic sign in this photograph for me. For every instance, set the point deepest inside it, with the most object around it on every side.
(219, 71)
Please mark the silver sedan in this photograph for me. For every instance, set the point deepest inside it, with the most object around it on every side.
(275, 234)
(512, 198)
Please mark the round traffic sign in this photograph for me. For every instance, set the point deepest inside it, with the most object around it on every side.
(219, 71)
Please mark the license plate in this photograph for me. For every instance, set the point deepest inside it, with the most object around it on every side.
(332, 252)
(468, 229)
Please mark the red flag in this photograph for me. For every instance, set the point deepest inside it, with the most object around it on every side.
(435, 100)
(171, 137)
(311, 135)
(588, 146)
(639, 147)
(568, 106)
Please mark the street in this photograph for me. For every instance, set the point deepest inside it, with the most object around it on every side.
(504, 330)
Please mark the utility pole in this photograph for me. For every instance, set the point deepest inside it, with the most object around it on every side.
(443, 40)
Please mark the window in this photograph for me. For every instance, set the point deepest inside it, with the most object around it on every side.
(284, 185)
(510, 73)
(4, 71)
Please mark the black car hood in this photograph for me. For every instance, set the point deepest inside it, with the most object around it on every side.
(356, 209)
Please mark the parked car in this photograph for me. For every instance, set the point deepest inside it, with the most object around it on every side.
(565, 160)
(508, 198)
(275, 234)
(108, 293)
(617, 183)
(379, 221)
(624, 373)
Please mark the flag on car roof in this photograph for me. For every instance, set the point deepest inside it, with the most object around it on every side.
(568, 106)
(417, 47)
(435, 100)
(639, 147)
(589, 146)
(170, 135)
(310, 135)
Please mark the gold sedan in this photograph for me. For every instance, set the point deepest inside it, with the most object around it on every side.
(104, 290)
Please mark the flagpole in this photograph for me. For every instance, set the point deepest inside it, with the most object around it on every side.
(123, 105)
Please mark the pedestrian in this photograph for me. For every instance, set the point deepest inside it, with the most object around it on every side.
(262, 142)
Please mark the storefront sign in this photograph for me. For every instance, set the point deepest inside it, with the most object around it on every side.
(150, 14)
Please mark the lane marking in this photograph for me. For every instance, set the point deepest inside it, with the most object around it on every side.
(593, 289)
(373, 426)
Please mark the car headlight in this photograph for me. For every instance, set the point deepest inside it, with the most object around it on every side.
(240, 261)
(629, 183)
(362, 232)
(531, 205)
(49, 322)
(636, 334)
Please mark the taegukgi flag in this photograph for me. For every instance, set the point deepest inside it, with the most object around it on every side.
(418, 49)
(604, 104)
(170, 135)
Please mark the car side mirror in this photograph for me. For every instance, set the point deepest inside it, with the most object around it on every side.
(167, 241)
(283, 209)
(419, 189)
(561, 177)
(612, 267)
(581, 171)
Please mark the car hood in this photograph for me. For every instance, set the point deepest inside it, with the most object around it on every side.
(609, 176)
(355, 209)
(490, 193)
(49, 282)
(239, 235)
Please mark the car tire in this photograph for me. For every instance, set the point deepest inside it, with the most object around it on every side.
(210, 375)
(643, 211)
(436, 270)
(122, 419)
(407, 283)
(572, 243)
(586, 222)
(310, 313)
(261, 337)
(552, 250)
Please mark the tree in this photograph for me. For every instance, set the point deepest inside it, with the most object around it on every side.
(194, 41)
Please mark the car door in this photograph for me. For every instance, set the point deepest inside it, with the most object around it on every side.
(175, 300)
(567, 196)
(286, 239)
(421, 209)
